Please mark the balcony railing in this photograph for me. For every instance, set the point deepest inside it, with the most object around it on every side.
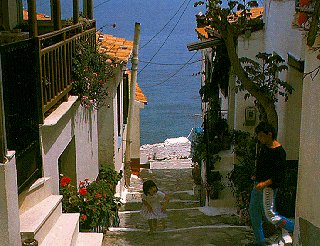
(56, 51)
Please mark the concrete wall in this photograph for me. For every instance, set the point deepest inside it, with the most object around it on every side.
(281, 37)
(308, 195)
(9, 208)
(70, 121)
(9, 16)
(135, 133)
(247, 47)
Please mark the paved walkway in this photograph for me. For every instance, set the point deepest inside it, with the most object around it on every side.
(187, 223)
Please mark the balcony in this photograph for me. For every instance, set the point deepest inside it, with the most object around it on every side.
(36, 75)
(55, 51)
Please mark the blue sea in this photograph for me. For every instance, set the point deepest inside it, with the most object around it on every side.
(170, 79)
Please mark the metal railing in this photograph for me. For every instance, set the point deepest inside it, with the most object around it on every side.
(56, 51)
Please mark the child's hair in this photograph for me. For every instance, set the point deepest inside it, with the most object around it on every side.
(147, 185)
(266, 128)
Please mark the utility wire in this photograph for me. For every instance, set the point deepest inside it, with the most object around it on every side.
(166, 38)
(102, 3)
(169, 64)
(173, 75)
(163, 26)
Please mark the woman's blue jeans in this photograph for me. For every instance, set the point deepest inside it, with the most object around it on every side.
(262, 205)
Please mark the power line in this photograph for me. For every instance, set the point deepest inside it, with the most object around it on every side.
(102, 3)
(163, 26)
(169, 64)
(166, 38)
(173, 75)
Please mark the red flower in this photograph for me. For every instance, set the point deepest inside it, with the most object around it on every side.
(83, 217)
(98, 195)
(104, 194)
(82, 183)
(83, 191)
(64, 181)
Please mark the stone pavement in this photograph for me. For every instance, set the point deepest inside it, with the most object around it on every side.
(187, 223)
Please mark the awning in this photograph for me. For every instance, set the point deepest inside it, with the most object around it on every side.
(208, 43)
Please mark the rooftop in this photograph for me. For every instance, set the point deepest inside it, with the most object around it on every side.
(118, 48)
(39, 16)
(203, 32)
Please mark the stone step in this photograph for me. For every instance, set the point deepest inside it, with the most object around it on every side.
(89, 239)
(174, 203)
(37, 221)
(38, 191)
(64, 232)
(179, 218)
(198, 235)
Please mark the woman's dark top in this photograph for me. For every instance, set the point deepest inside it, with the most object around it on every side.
(271, 164)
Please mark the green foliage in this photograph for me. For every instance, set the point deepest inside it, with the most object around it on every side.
(95, 201)
(91, 72)
(109, 175)
(240, 177)
(201, 150)
(218, 16)
(264, 73)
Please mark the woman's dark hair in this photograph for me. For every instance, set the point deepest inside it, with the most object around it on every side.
(266, 128)
(147, 185)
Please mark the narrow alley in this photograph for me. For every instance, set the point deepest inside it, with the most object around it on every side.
(187, 223)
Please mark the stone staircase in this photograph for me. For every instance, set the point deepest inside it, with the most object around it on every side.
(187, 223)
(41, 218)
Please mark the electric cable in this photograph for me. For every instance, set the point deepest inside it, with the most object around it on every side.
(99, 4)
(173, 75)
(163, 26)
(166, 38)
(169, 64)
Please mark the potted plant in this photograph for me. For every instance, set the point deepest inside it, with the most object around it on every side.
(214, 179)
(95, 201)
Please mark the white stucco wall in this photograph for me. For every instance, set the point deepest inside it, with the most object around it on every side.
(308, 196)
(135, 133)
(281, 37)
(247, 47)
(70, 120)
(9, 208)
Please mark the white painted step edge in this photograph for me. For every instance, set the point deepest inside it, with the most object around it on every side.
(64, 232)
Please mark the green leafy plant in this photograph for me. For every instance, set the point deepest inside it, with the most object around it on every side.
(95, 201)
(91, 72)
(227, 23)
(240, 178)
(214, 179)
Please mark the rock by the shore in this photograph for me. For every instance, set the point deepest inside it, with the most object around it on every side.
(172, 148)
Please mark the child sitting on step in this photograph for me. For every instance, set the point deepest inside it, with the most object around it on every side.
(154, 204)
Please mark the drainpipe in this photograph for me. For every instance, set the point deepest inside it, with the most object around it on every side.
(127, 160)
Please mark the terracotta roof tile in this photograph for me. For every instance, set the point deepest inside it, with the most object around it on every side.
(39, 16)
(140, 97)
(255, 13)
(118, 48)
